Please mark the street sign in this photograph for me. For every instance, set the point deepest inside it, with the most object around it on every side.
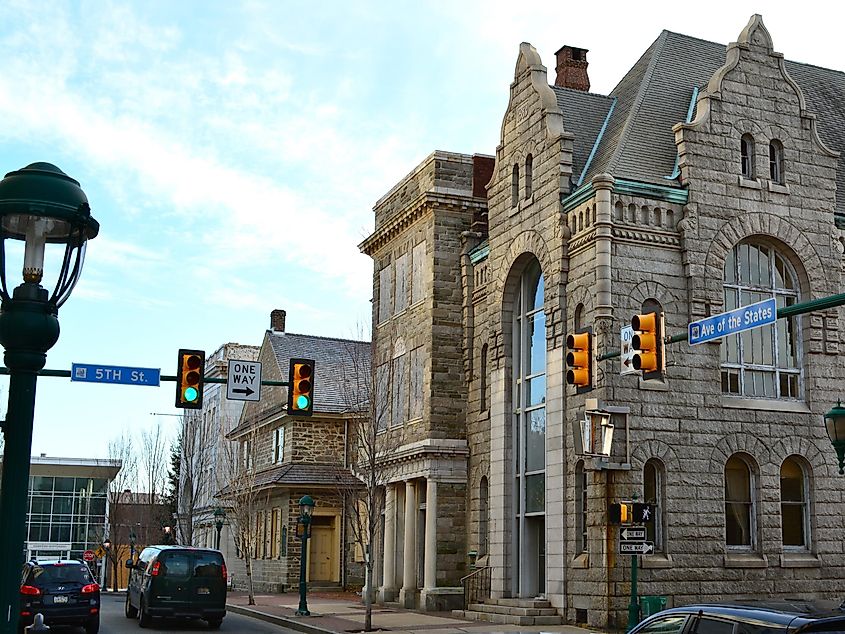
(635, 548)
(627, 356)
(244, 381)
(632, 533)
(88, 373)
(88, 556)
(734, 321)
(643, 512)
(100, 552)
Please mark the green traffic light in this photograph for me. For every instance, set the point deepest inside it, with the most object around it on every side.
(302, 402)
(191, 394)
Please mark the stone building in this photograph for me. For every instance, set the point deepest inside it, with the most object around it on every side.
(706, 180)
(284, 458)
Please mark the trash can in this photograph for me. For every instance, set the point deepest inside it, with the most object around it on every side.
(651, 605)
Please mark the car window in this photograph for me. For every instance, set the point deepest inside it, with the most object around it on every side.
(758, 628)
(208, 565)
(175, 566)
(708, 625)
(666, 625)
(59, 574)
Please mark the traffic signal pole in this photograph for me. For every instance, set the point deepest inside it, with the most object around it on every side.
(633, 606)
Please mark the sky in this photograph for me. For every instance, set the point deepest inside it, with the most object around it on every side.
(232, 153)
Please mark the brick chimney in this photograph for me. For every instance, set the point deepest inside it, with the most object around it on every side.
(572, 68)
(277, 320)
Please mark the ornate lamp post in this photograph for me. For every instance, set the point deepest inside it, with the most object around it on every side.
(306, 507)
(219, 516)
(39, 205)
(834, 422)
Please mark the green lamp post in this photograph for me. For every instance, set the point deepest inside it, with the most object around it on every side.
(834, 422)
(306, 507)
(219, 516)
(43, 207)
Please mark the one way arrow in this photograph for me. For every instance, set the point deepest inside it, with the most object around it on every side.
(248, 391)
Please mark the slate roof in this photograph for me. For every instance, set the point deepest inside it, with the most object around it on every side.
(638, 143)
(298, 474)
(338, 364)
(584, 113)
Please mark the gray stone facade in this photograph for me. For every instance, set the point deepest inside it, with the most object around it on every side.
(625, 206)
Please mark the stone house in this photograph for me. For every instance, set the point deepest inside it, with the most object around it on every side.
(288, 457)
(706, 180)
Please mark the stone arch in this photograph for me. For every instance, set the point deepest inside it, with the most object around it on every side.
(727, 446)
(654, 448)
(792, 241)
(807, 449)
(673, 306)
(580, 297)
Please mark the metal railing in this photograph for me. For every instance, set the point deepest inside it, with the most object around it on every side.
(476, 585)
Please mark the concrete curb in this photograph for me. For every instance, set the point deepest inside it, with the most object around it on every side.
(294, 624)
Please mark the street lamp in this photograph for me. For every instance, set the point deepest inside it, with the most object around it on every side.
(834, 422)
(219, 516)
(39, 205)
(306, 507)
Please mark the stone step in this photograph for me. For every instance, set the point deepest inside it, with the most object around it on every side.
(513, 611)
(507, 619)
(520, 603)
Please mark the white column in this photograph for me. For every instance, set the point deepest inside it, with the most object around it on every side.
(407, 595)
(430, 561)
(388, 589)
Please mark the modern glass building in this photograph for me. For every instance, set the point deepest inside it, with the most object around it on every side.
(68, 505)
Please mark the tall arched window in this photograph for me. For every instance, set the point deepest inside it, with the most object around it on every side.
(529, 431)
(580, 508)
(740, 507)
(529, 176)
(776, 161)
(483, 516)
(763, 362)
(794, 511)
(515, 186)
(653, 478)
(746, 151)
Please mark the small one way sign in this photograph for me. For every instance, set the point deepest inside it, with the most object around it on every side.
(244, 381)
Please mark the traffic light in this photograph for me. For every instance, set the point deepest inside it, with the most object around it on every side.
(580, 360)
(648, 344)
(301, 387)
(189, 379)
(620, 513)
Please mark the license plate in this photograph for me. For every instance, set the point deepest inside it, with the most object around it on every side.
(203, 591)
(60, 599)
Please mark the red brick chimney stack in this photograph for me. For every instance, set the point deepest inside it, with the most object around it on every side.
(277, 320)
(572, 68)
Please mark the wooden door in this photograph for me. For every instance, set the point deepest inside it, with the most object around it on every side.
(321, 567)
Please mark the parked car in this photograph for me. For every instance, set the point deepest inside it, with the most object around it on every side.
(63, 591)
(748, 617)
(178, 582)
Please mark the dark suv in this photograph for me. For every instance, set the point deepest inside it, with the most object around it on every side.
(63, 591)
(179, 582)
(748, 617)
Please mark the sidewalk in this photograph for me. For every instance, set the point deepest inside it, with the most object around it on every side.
(344, 612)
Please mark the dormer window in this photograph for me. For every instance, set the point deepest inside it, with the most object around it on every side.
(776, 161)
(746, 146)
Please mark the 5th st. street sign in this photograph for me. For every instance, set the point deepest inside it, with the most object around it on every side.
(89, 373)
(732, 322)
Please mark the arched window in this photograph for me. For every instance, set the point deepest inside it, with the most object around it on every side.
(515, 186)
(794, 512)
(776, 161)
(653, 478)
(482, 389)
(740, 507)
(578, 322)
(529, 176)
(746, 150)
(763, 362)
(483, 516)
(580, 508)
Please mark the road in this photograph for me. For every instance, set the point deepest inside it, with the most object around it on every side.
(113, 621)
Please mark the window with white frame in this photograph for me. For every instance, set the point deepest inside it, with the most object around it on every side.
(246, 454)
(763, 362)
(278, 445)
(740, 504)
(794, 509)
(776, 161)
(746, 151)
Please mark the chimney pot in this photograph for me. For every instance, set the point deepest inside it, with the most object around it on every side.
(572, 68)
(277, 320)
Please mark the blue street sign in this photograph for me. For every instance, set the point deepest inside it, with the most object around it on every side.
(114, 374)
(733, 321)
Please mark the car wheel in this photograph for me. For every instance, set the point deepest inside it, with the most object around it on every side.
(92, 627)
(128, 610)
(144, 619)
(214, 624)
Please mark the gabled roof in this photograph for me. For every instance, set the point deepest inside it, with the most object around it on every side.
(638, 143)
(584, 114)
(301, 473)
(338, 365)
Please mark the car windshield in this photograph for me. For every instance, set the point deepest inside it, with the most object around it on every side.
(63, 573)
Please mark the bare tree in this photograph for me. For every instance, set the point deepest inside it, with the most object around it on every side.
(238, 486)
(195, 444)
(370, 389)
(120, 448)
(153, 466)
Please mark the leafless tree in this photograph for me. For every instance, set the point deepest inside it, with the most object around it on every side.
(153, 467)
(195, 442)
(238, 488)
(120, 448)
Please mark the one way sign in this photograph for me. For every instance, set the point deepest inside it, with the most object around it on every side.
(244, 381)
